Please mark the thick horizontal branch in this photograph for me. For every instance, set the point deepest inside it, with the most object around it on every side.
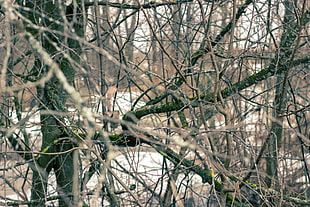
(134, 116)
(260, 76)
(152, 4)
(207, 174)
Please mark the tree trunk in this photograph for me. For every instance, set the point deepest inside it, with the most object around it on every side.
(55, 16)
(284, 58)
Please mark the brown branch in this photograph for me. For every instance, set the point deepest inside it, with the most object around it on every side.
(134, 116)
(197, 55)
(152, 4)
(202, 51)
(44, 153)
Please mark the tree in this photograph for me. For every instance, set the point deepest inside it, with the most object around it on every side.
(225, 98)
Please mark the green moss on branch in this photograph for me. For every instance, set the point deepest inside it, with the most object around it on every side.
(134, 116)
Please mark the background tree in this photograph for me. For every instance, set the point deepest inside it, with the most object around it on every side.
(217, 94)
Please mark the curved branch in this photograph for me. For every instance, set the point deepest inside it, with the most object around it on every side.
(202, 51)
(134, 116)
(198, 54)
(152, 4)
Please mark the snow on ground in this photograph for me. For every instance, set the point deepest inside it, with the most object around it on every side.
(123, 102)
(146, 166)
(143, 168)
(133, 166)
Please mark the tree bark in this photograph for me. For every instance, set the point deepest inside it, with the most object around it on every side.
(57, 17)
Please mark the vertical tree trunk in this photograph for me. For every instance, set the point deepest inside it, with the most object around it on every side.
(275, 134)
(53, 15)
(284, 57)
